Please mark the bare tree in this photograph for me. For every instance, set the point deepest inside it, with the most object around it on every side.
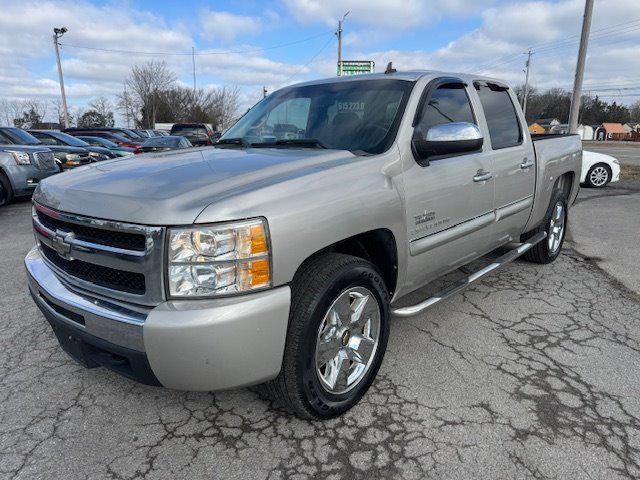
(217, 106)
(58, 108)
(102, 106)
(126, 105)
(227, 100)
(634, 111)
(145, 85)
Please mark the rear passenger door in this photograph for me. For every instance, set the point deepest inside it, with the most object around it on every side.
(514, 165)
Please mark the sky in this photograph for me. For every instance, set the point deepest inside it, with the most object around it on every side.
(273, 43)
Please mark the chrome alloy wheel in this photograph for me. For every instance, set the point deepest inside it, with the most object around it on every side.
(347, 340)
(599, 176)
(556, 228)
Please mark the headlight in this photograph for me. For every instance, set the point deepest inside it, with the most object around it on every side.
(72, 157)
(219, 259)
(616, 161)
(21, 158)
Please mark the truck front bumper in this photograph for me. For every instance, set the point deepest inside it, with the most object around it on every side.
(187, 345)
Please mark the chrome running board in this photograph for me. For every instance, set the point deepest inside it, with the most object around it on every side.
(465, 282)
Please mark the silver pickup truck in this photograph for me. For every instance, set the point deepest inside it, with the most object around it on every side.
(278, 257)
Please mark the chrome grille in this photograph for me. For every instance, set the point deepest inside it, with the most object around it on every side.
(112, 259)
(44, 160)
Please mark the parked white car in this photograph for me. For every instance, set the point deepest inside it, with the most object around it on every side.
(599, 169)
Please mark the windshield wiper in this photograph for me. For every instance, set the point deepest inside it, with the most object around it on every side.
(241, 142)
(293, 142)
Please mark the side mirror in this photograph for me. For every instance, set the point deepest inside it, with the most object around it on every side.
(446, 139)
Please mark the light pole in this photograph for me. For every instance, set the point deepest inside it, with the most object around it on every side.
(57, 33)
(340, 43)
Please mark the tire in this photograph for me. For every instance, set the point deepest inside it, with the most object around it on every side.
(599, 176)
(329, 284)
(6, 192)
(548, 249)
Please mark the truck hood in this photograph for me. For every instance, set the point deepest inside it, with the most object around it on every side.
(172, 188)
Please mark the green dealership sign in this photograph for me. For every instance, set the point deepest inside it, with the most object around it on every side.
(356, 67)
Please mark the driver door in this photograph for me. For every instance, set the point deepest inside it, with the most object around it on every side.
(449, 198)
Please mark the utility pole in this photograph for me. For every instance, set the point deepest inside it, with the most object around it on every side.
(339, 33)
(526, 84)
(57, 33)
(193, 60)
(582, 55)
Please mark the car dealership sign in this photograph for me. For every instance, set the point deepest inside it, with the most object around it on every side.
(356, 67)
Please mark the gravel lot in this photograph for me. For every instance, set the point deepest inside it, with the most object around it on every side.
(532, 373)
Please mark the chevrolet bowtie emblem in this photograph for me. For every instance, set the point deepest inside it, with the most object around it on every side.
(60, 243)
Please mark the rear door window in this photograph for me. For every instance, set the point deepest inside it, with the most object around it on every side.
(504, 127)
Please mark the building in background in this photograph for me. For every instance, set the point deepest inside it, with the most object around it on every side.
(536, 129)
(611, 131)
(547, 123)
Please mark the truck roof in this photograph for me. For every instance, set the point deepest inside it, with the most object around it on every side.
(409, 75)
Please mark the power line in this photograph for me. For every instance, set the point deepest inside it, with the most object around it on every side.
(226, 52)
(543, 48)
(312, 58)
(539, 46)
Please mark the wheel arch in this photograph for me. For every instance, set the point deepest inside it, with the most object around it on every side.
(564, 183)
(376, 246)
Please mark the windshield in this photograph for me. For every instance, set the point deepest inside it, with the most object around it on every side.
(99, 142)
(70, 140)
(20, 137)
(358, 115)
(193, 130)
(130, 133)
(162, 142)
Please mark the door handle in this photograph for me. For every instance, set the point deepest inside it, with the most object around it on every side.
(482, 176)
(526, 163)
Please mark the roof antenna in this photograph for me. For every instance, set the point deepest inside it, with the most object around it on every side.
(390, 68)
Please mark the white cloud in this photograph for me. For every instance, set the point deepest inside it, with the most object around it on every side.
(389, 14)
(227, 26)
(27, 61)
(497, 47)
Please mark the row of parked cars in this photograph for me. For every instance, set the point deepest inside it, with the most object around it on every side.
(28, 156)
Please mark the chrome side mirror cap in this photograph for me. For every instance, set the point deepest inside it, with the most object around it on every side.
(454, 132)
(447, 139)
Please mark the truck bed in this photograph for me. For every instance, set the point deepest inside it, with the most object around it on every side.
(547, 136)
(555, 154)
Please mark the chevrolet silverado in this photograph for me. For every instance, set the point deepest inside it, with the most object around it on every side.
(279, 256)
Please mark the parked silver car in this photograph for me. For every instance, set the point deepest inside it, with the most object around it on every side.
(21, 169)
(279, 256)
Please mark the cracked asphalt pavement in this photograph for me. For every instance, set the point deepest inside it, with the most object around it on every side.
(532, 373)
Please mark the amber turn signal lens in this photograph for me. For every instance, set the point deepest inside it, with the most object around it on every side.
(258, 240)
(260, 274)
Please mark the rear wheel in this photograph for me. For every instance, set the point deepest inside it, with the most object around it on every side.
(338, 331)
(555, 224)
(599, 175)
(6, 192)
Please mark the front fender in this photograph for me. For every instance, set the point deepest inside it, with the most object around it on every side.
(308, 213)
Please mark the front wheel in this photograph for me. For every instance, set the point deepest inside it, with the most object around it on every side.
(338, 331)
(555, 224)
(599, 176)
(6, 193)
